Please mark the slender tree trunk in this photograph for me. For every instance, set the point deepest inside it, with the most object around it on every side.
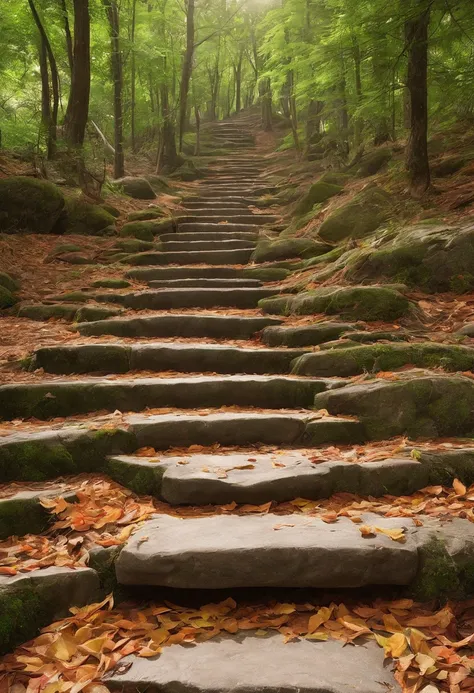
(416, 36)
(77, 111)
(45, 98)
(186, 70)
(67, 33)
(293, 111)
(53, 118)
(117, 77)
(266, 102)
(133, 72)
(168, 158)
(358, 124)
(238, 83)
(197, 116)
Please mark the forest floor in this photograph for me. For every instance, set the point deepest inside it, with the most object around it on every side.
(174, 476)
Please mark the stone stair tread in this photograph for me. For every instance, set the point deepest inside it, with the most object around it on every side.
(227, 550)
(193, 245)
(211, 257)
(189, 357)
(204, 283)
(207, 227)
(186, 272)
(244, 663)
(47, 399)
(203, 297)
(179, 325)
(208, 236)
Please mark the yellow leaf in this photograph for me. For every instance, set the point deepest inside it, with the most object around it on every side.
(323, 615)
(283, 609)
(367, 531)
(397, 644)
(159, 636)
(459, 488)
(424, 662)
(94, 646)
(397, 534)
(63, 648)
(316, 636)
(391, 624)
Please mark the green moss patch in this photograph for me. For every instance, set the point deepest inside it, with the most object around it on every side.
(111, 283)
(266, 274)
(319, 192)
(7, 299)
(283, 249)
(146, 214)
(357, 218)
(9, 283)
(143, 230)
(82, 218)
(133, 245)
(29, 205)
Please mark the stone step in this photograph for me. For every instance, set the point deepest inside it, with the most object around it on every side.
(216, 211)
(255, 478)
(223, 229)
(233, 193)
(252, 664)
(32, 600)
(218, 244)
(179, 325)
(224, 199)
(229, 551)
(307, 335)
(198, 257)
(234, 179)
(22, 512)
(169, 299)
(204, 283)
(208, 236)
(255, 219)
(184, 358)
(190, 204)
(189, 272)
(49, 399)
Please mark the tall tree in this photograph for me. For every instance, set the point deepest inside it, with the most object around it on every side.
(77, 111)
(186, 69)
(112, 13)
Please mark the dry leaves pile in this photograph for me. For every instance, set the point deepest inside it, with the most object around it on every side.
(77, 653)
(105, 514)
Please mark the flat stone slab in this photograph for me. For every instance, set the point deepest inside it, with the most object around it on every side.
(185, 358)
(257, 219)
(188, 272)
(29, 601)
(203, 479)
(22, 513)
(307, 335)
(197, 257)
(209, 236)
(225, 551)
(247, 664)
(203, 283)
(240, 297)
(212, 244)
(175, 325)
(214, 227)
(64, 398)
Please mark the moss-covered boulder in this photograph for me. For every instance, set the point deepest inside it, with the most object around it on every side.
(307, 335)
(7, 298)
(351, 302)
(82, 218)
(139, 188)
(71, 297)
(143, 230)
(39, 311)
(430, 257)
(357, 218)
(335, 178)
(318, 192)
(8, 282)
(283, 249)
(384, 357)
(265, 274)
(75, 259)
(63, 248)
(158, 183)
(93, 313)
(188, 171)
(447, 166)
(424, 406)
(374, 161)
(111, 210)
(134, 245)
(146, 214)
(29, 205)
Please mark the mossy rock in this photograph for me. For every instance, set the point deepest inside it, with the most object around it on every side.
(308, 335)
(65, 248)
(138, 188)
(143, 479)
(283, 249)
(448, 166)
(93, 313)
(29, 205)
(188, 171)
(7, 299)
(82, 218)
(75, 259)
(35, 460)
(370, 303)
(158, 183)
(357, 218)
(110, 209)
(384, 357)
(430, 257)
(22, 515)
(319, 192)
(146, 214)
(266, 274)
(331, 256)
(111, 283)
(428, 406)
(379, 335)
(44, 312)
(143, 230)
(373, 162)
(71, 297)
(8, 282)
(134, 245)
(335, 178)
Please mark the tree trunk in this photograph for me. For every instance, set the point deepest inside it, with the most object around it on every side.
(264, 88)
(77, 111)
(168, 158)
(293, 111)
(358, 124)
(238, 83)
(313, 122)
(67, 33)
(133, 78)
(53, 117)
(45, 98)
(197, 116)
(416, 37)
(187, 70)
(117, 78)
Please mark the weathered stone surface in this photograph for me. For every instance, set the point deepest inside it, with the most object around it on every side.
(384, 357)
(111, 283)
(424, 406)
(55, 398)
(81, 217)
(196, 297)
(29, 205)
(431, 257)
(86, 358)
(22, 513)
(29, 601)
(172, 325)
(247, 664)
(210, 257)
(283, 249)
(228, 243)
(204, 283)
(142, 230)
(374, 161)
(351, 302)
(163, 273)
(152, 212)
(139, 188)
(239, 551)
(8, 282)
(357, 218)
(304, 336)
(7, 299)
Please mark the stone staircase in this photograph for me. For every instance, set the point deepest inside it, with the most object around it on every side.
(251, 438)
